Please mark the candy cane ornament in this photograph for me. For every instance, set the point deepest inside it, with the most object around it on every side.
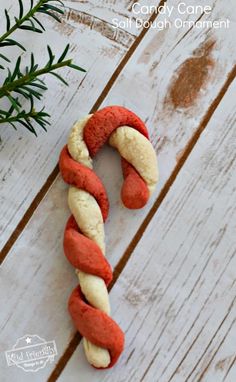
(84, 244)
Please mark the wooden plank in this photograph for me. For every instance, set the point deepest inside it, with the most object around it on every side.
(176, 298)
(113, 11)
(96, 46)
(146, 73)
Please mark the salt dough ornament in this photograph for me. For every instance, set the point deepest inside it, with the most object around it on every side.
(84, 244)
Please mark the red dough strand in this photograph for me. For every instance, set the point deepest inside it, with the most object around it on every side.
(134, 192)
(84, 254)
(96, 326)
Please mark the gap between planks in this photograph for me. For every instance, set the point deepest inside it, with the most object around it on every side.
(40, 195)
(124, 259)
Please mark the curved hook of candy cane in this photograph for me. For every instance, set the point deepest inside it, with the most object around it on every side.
(125, 131)
(89, 206)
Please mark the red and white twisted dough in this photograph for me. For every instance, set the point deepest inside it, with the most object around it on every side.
(84, 244)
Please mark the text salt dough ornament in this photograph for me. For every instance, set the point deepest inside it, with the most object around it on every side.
(84, 233)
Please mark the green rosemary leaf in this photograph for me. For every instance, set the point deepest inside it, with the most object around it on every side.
(30, 125)
(25, 124)
(51, 56)
(41, 124)
(7, 79)
(50, 14)
(31, 62)
(21, 9)
(76, 67)
(11, 109)
(43, 87)
(32, 24)
(1, 67)
(30, 28)
(24, 94)
(14, 102)
(3, 112)
(35, 67)
(45, 120)
(60, 78)
(12, 124)
(33, 92)
(44, 117)
(16, 70)
(53, 8)
(64, 53)
(17, 101)
(10, 42)
(4, 57)
(39, 80)
(7, 20)
(31, 99)
(44, 114)
(39, 23)
(58, 1)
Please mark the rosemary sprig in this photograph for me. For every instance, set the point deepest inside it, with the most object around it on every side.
(16, 80)
(28, 84)
(29, 21)
(25, 119)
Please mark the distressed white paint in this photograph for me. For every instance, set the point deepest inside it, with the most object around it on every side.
(114, 12)
(142, 86)
(176, 298)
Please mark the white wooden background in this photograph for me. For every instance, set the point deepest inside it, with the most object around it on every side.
(175, 297)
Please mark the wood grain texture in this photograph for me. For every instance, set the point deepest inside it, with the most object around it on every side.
(114, 9)
(176, 298)
(96, 46)
(144, 87)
